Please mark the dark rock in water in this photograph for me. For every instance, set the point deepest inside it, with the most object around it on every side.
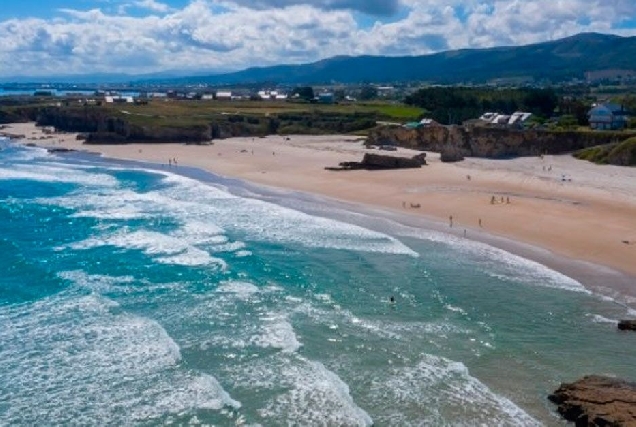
(627, 325)
(597, 401)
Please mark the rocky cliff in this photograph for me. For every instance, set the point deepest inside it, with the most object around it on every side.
(493, 142)
(102, 127)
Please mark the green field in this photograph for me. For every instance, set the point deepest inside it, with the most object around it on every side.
(164, 112)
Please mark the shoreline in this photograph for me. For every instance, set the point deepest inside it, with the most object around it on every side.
(576, 227)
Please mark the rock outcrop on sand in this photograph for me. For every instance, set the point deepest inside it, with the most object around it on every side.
(597, 401)
(451, 154)
(372, 161)
(627, 325)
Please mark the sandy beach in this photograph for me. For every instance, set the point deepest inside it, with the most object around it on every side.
(566, 207)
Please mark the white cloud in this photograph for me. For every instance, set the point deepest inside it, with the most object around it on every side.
(153, 6)
(227, 35)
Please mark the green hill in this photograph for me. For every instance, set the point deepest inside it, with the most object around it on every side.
(556, 60)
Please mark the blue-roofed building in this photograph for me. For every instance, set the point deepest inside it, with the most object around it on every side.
(608, 117)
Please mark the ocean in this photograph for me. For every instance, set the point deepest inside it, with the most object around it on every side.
(135, 294)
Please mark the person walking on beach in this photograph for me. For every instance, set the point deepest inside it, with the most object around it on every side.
(479, 222)
(450, 220)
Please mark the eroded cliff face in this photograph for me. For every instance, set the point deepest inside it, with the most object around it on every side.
(100, 127)
(489, 142)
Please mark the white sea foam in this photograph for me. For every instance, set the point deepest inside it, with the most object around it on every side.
(277, 332)
(263, 221)
(78, 359)
(241, 290)
(21, 153)
(459, 310)
(117, 203)
(597, 318)
(165, 248)
(441, 392)
(499, 263)
(313, 395)
(190, 189)
(96, 283)
(202, 232)
(207, 212)
(50, 173)
(193, 257)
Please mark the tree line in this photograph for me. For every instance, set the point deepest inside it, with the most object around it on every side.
(454, 105)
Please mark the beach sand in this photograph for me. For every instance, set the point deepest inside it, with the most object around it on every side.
(559, 205)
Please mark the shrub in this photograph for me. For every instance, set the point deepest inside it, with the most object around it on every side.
(621, 154)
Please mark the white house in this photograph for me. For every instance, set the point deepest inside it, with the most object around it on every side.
(225, 95)
(516, 119)
(519, 118)
(119, 99)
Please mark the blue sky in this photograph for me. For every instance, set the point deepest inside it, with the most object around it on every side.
(45, 37)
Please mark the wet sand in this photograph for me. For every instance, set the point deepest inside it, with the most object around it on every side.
(556, 206)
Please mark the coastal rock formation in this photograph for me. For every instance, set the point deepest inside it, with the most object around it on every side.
(597, 401)
(100, 127)
(373, 161)
(103, 126)
(494, 142)
(450, 154)
(627, 325)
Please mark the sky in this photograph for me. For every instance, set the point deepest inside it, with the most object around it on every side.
(66, 37)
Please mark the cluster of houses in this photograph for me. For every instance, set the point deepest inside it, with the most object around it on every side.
(222, 95)
(601, 117)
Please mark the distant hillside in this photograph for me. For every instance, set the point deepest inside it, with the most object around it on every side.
(556, 60)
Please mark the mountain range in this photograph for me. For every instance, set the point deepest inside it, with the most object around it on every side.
(555, 61)
(558, 60)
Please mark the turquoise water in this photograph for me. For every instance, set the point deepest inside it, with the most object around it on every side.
(138, 296)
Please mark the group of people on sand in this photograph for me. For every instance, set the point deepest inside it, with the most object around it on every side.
(494, 200)
(412, 205)
(172, 162)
